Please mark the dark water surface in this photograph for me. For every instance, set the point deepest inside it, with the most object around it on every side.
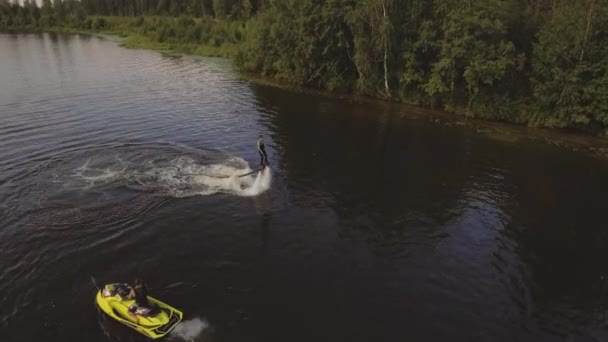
(375, 227)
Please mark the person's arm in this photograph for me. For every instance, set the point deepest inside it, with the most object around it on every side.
(131, 294)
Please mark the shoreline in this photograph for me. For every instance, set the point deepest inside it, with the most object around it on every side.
(506, 131)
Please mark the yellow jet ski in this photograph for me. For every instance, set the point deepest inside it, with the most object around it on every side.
(155, 321)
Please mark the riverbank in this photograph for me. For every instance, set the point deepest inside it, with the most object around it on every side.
(542, 66)
(205, 37)
(126, 32)
(501, 131)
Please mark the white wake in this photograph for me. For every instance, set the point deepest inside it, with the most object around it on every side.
(178, 177)
(189, 330)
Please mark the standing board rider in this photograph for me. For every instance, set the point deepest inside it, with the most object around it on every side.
(262, 151)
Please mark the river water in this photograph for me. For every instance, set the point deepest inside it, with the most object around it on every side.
(368, 226)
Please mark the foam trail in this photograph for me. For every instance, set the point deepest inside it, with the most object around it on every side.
(182, 176)
(189, 330)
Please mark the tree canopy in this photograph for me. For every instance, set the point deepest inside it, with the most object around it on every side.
(538, 62)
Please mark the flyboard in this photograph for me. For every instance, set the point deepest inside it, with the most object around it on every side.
(252, 172)
(259, 169)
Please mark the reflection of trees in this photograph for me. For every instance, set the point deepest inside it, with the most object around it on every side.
(379, 173)
(560, 223)
(390, 180)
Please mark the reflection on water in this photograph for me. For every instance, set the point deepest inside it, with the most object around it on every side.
(368, 226)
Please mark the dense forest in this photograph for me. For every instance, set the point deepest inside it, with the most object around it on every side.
(535, 62)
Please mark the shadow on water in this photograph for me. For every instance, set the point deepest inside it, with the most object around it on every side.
(496, 216)
(562, 235)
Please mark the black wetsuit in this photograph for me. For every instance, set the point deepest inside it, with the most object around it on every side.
(141, 296)
(262, 151)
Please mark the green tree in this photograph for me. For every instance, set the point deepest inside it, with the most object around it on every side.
(47, 14)
(163, 7)
(300, 41)
(5, 14)
(418, 44)
(370, 24)
(60, 12)
(34, 12)
(246, 9)
(570, 79)
(474, 51)
(75, 12)
(219, 8)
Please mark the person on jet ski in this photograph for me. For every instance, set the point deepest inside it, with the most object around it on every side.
(140, 293)
(262, 152)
